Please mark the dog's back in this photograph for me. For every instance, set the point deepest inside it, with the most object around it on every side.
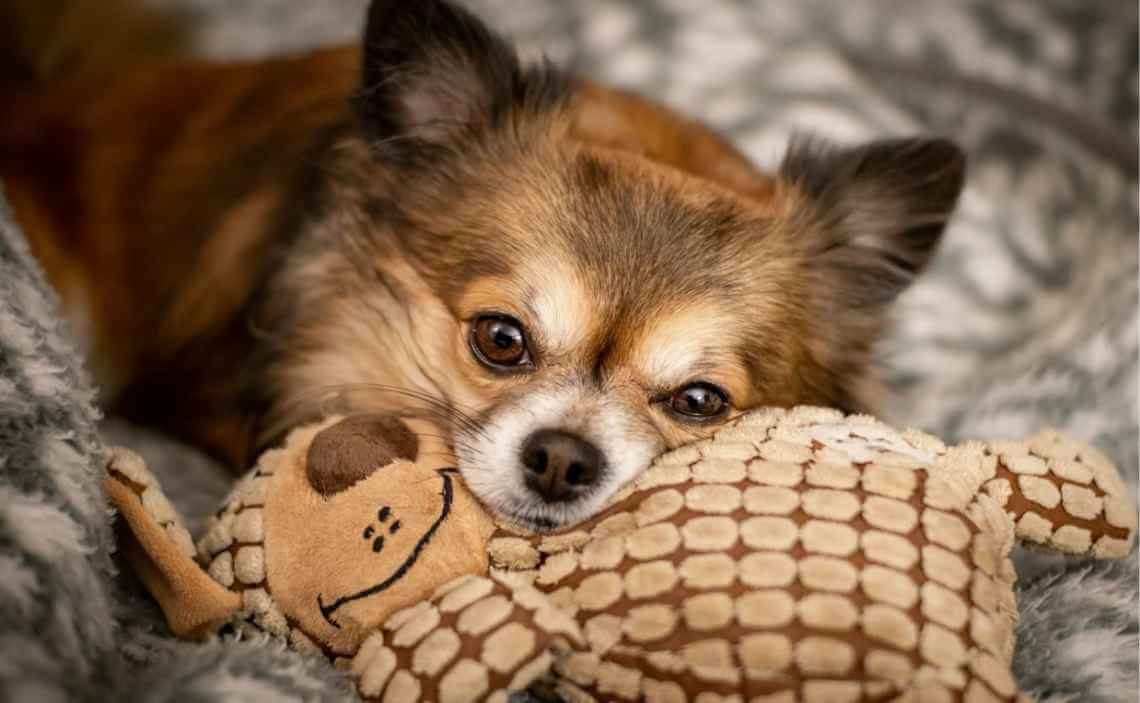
(153, 189)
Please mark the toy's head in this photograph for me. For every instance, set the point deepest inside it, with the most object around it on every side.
(340, 528)
(355, 529)
(797, 553)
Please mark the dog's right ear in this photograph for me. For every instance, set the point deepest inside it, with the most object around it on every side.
(433, 72)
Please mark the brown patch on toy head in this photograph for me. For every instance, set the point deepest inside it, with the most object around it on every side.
(353, 448)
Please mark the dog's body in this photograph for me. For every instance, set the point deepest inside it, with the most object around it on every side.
(555, 271)
(158, 204)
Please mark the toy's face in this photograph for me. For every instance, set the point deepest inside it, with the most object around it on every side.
(393, 549)
(352, 536)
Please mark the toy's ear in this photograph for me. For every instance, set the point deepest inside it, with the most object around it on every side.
(160, 550)
(1065, 494)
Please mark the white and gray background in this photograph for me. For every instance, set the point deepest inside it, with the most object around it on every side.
(1027, 318)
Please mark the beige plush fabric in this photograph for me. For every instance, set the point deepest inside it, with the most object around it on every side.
(797, 555)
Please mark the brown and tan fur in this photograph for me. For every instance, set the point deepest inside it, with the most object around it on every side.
(238, 243)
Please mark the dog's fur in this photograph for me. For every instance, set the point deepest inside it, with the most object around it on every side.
(239, 243)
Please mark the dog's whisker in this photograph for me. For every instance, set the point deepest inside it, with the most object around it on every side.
(333, 398)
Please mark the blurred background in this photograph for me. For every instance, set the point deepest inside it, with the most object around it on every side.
(1028, 316)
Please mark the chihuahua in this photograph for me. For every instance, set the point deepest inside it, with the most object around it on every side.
(564, 279)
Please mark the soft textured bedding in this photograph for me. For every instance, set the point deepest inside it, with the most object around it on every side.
(1028, 317)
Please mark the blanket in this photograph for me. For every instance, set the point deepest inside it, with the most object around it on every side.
(1028, 316)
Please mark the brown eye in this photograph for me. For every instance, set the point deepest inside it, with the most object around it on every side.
(699, 401)
(498, 341)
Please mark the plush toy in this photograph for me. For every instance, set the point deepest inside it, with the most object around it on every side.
(797, 555)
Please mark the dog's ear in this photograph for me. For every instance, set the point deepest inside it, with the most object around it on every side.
(434, 72)
(877, 212)
(870, 220)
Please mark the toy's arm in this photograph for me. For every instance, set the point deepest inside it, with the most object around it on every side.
(160, 550)
(1063, 493)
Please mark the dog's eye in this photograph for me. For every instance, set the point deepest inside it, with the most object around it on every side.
(498, 341)
(699, 401)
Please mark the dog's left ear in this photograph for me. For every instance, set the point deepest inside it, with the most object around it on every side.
(877, 212)
(434, 72)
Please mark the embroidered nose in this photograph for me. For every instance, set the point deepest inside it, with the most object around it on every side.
(560, 466)
(353, 448)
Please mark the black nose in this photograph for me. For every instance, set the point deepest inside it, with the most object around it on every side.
(559, 465)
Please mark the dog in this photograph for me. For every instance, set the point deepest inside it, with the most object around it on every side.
(564, 279)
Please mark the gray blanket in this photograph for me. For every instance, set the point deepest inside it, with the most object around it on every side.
(1027, 318)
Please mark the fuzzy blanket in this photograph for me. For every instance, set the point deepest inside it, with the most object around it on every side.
(1027, 318)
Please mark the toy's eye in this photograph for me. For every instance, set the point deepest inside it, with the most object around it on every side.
(699, 401)
(499, 343)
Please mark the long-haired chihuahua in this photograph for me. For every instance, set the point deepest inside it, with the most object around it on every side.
(565, 279)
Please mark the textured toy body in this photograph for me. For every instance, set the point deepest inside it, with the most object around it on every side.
(798, 555)
(814, 557)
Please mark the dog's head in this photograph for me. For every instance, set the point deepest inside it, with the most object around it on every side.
(585, 279)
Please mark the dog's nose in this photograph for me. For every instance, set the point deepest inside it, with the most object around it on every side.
(559, 465)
